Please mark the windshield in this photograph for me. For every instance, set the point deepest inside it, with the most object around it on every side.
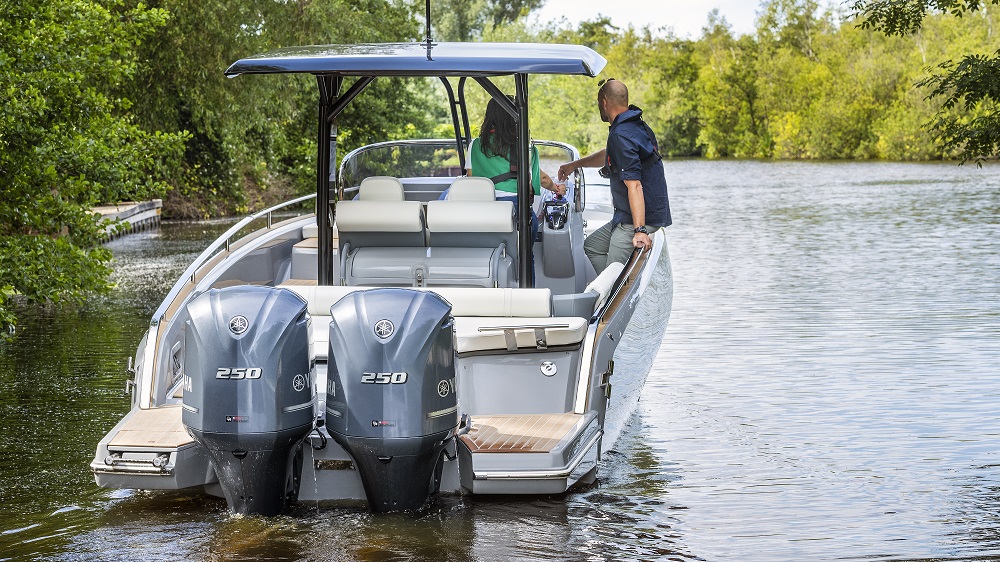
(437, 158)
(400, 159)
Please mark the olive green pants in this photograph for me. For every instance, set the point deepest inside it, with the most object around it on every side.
(610, 244)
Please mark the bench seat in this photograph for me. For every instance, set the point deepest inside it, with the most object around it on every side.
(480, 317)
(511, 334)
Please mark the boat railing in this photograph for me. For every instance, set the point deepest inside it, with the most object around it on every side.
(595, 329)
(223, 242)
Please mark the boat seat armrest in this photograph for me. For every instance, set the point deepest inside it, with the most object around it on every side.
(576, 304)
(604, 282)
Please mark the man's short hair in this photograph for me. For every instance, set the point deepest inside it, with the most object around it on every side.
(615, 92)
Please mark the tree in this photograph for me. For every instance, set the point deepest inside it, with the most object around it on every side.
(729, 96)
(253, 139)
(67, 143)
(970, 84)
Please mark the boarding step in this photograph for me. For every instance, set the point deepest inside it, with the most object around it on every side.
(155, 428)
(528, 453)
(150, 449)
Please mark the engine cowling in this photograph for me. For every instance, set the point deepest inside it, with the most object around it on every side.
(391, 400)
(248, 396)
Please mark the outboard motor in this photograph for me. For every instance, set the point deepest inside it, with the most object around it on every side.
(248, 396)
(391, 401)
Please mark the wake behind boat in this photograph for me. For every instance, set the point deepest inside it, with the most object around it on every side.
(397, 342)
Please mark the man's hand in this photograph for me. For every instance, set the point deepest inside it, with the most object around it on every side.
(564, 171)
(559, 189)
(642, 240)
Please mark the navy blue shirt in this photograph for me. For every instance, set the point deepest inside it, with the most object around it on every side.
(632, 154)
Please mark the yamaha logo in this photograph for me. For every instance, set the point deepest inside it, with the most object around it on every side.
(384, 328)
(444, 389)
(299, 383)
(239, 324)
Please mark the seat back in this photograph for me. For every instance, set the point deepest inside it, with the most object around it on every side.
(381, 188)
(471, 224)
(468, 188)
(379, 223)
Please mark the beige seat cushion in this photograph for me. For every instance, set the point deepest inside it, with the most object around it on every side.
(470, 216)
(465, 301)
(483, 334)
(472, 189)
(379, 216)
(380, 188)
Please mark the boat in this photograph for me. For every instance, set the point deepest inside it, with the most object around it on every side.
(375, 343)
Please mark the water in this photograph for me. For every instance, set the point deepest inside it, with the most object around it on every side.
(827, 389)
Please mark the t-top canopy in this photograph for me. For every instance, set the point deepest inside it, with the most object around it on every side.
(416, 59)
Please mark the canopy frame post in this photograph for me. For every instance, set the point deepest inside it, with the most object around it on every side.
(525, 241)
(331, 105)
(329, 92)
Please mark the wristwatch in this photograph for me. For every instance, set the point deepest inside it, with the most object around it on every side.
(641, 229)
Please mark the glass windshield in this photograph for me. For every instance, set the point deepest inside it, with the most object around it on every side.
(400, 159)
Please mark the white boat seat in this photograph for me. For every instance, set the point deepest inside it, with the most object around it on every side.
(380, 188)
(310, 230)
(467, 188)
(511, 334)
(604, 282)
(476, 224)
(380, 223)
(480, 315)
(465, 301)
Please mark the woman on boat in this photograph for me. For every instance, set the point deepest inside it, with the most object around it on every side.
(491, 154)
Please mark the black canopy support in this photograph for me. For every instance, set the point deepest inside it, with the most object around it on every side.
(329, 92)
(465, 110)
(498, 95)
(457, 107)
(518, 108)
(331, 104)
(524, 189)
(343, 101)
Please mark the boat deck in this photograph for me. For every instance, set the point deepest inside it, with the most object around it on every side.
(155, 428)
(524, 433)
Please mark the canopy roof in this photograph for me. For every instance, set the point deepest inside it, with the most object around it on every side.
(416, 59)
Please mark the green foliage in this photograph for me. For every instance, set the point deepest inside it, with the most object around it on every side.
(68, 142)
(973, 134)
(253, 138)
(805, 84)
(900, 17)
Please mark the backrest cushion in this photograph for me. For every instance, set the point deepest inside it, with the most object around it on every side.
(381, 188)
(472, 189)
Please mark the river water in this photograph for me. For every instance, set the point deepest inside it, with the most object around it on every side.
(828, 388)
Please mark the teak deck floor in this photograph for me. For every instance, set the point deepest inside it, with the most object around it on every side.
(520, 433)
(153, 428)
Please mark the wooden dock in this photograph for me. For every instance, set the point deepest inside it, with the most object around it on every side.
(139, 216)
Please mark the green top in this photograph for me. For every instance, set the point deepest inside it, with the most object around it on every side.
(493, 166)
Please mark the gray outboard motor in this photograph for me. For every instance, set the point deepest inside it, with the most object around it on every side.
(391, 401)
(248, 396)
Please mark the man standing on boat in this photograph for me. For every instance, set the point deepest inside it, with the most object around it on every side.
(638, 186)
